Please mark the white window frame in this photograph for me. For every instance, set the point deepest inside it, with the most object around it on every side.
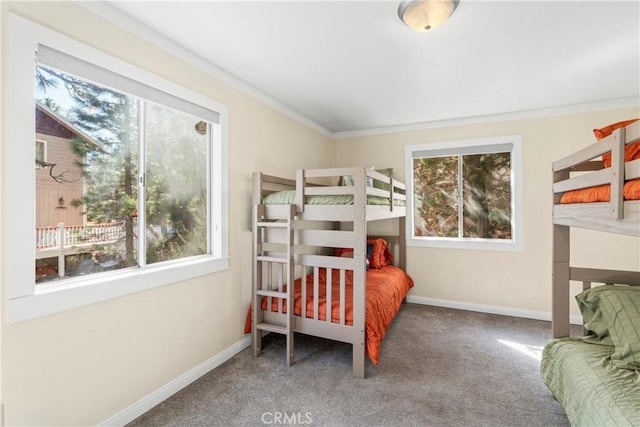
(24, 299)
(511, 144)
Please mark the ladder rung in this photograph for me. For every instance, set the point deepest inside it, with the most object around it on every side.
(272, 328)
(273, 224)
(272, 259)
(274, 294)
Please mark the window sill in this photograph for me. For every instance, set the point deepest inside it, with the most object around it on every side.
(77, 293)
(479, 244)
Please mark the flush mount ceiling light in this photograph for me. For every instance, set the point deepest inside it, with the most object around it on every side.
(424, 15)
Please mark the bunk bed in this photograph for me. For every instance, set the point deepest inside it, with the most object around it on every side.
(596, 377)
(312, 231)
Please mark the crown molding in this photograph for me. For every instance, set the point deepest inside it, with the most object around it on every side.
(500, 117)
(112, 14)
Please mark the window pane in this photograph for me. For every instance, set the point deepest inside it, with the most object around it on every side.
(487, 196)
(435, 196)
(41, 153)
(86, 196)
(176, 184)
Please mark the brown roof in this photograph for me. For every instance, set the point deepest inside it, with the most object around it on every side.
(48, 122)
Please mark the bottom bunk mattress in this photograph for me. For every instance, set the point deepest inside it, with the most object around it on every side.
(386, 289)
(592, 390)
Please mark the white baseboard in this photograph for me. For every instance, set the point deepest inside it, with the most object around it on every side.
(491, 309)
(143, 405)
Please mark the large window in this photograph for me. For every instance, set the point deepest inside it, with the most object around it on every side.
(132, 192)
(134, 156)
(465, 194)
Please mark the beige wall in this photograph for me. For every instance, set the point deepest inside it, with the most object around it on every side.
(514, 281)
(83, 366)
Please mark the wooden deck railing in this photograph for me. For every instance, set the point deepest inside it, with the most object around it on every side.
(73, 235)
(59, 241)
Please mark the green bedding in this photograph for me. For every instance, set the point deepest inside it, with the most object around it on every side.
(592, 390)
(288, 197)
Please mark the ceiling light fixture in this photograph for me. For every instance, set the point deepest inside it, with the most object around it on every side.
(424, 15)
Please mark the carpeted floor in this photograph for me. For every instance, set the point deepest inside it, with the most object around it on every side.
(438, 367)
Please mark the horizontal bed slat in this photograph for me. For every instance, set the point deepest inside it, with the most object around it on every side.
(270, 179)
(324, 191)
(588, 153)
(597, 275)
(600, 177)
(632, 135)
(633, 132)
(275, 259)
(331, 172)
(594, 216)
(329, 261)
(328, 238)
(324, 238)
(329, 330)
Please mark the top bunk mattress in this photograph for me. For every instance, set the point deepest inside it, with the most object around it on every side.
(602, 193)
(288, 198)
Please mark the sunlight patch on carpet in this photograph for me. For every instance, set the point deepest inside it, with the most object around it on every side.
(533, 351)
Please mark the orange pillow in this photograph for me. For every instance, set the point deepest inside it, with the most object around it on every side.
(631, 151)
(347, 253)
(380, 255)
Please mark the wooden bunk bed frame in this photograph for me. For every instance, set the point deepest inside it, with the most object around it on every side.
(299, 236)
(616, 216)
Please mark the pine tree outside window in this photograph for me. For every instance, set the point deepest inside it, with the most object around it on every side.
(465, 194)
(149, 158)
(134, 183)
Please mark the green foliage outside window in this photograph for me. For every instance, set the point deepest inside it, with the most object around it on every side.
(483, 190)
(175, 159)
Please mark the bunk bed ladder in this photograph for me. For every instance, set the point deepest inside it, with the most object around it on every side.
(263, 284)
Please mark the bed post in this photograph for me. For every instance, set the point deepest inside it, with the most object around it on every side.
(560, 287)
(300, 186)
(359, 274)
(402, 243)
(257, 189)
(560, 268)
(617, 174)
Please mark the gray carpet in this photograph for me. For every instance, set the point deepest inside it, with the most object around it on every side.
(438, 367)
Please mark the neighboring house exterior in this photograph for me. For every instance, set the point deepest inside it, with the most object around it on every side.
(63, 237)
(55, 157)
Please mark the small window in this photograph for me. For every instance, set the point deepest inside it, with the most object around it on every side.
(465, 194)
(41, 153)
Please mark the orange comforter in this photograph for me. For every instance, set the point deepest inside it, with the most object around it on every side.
(601, 193)
(386, 289)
